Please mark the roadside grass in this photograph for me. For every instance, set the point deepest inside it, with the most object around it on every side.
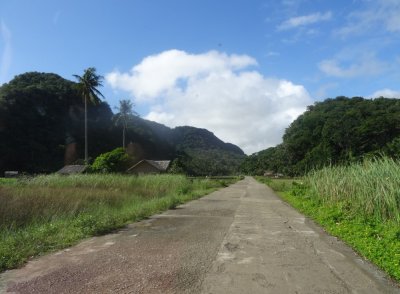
(356, 203)
(370, 189)
(8, 181)
(48, 213)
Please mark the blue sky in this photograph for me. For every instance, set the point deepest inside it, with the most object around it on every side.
(242, 69)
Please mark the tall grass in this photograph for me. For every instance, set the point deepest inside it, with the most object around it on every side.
(47, 198)
(370, 189)
(51, 212)
(359, 203)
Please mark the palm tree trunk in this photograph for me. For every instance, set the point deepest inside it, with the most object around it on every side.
(123, 137)
(86, 133)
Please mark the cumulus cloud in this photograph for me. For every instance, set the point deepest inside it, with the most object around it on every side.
(159, 73)
(216, 91)
(5, 61)
(387, 93)
(304, 20)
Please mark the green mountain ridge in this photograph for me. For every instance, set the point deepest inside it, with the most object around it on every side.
(41, 120)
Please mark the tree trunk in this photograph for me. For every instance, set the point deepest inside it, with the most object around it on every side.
(86, 133)
(123, 138)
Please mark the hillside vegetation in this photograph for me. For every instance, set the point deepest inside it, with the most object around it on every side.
(42, 115)
(335, 131)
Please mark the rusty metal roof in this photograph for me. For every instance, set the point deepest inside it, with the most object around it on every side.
(161, 165)
(72, 169)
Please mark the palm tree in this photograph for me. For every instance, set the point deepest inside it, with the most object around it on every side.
(124, 116)
(88, 84)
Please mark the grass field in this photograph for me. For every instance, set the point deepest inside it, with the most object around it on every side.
(359, 203)
(9, 181)
(46, 213)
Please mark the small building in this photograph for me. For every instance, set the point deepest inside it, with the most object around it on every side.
(11, 174)
(268, 173)
(146, 166)
(72, 169)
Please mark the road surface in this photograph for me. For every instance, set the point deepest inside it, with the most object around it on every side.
(241, 239)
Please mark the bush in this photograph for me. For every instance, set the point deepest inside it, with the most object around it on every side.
(114, 161)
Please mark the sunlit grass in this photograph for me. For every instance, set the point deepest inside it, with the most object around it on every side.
(51, 212)
(360, 203)
(370, 189)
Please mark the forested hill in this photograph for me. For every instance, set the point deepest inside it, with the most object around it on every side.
(190, 137)
(334, 131)
(42, 113)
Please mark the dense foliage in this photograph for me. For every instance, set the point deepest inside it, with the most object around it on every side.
(42, 128)
(203, 162)
(200, 153)
(40, 115)
(335, 131)
(115, 161)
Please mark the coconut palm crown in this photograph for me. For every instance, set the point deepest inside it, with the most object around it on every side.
(87, 85)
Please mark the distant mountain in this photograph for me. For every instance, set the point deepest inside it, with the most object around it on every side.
(194, 151)
(190, 137)
(41, 127)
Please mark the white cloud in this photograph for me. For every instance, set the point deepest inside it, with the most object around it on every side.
(387, 93)
(215, 91)
(364, 65)
(6, 55)
(304, 20)
(159, 73)
(375, 14)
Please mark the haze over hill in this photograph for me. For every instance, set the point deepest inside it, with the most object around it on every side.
(41, 113)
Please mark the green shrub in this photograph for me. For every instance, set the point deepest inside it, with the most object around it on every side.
(114, 161)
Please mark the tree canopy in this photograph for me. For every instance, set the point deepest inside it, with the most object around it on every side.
(331, 132)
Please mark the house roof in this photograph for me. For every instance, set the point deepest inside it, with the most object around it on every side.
(72, 169)
(161, 165)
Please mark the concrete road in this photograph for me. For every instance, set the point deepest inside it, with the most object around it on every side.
(242, 239)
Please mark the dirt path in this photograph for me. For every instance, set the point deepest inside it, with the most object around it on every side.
(242, 239)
